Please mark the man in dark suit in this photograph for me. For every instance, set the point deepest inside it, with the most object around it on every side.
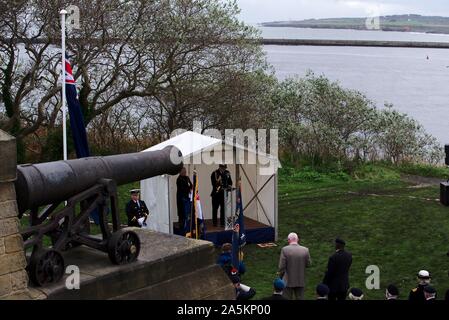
(337, 274)
(430, 294)
(322, 292)
(355, 294)
(184, 188)
(136, 210)
(242, 292)
(392, 293)
(279, 286)
(221, 181)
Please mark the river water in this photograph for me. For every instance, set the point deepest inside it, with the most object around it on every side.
(415, 81)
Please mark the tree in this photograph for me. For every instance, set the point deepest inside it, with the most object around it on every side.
(214, 74)
(28, 69)
(180, 59)
(402, 139)
(322, 122)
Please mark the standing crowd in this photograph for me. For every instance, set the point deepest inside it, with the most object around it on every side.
(290, 285)
(294, 258)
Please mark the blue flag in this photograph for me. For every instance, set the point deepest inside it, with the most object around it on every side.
(238, 238)
(76, 116)
(240, 217)
(235, 250)
(77, 122)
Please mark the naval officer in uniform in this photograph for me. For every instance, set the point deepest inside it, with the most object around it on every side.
(221, 181)
(136, 210)
(417, 294)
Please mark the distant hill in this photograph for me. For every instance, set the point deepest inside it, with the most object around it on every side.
(405, 23)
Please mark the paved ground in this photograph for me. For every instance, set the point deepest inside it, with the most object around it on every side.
(162, 259)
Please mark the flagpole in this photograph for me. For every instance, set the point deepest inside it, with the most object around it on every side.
(63, 14)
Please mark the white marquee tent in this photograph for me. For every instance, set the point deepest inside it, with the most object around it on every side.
(259, 189)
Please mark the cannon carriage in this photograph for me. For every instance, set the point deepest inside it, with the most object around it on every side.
(59, 198)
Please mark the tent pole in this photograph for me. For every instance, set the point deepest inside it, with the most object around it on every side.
(170, 224)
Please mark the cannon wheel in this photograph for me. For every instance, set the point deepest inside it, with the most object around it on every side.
(123, 247)
(46, 266)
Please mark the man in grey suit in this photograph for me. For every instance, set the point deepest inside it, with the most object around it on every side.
(292, 266)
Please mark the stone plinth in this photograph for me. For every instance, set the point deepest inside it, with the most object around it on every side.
(13, 277)
(169, 268)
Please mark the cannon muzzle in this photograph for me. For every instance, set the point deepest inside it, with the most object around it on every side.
(52, 182)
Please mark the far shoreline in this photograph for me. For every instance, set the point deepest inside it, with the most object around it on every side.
(263, 25)
(355, 43)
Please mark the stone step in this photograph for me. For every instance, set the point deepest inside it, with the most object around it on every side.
(208, 283)
(169, 267)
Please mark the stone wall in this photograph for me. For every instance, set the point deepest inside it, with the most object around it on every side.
(13, 277)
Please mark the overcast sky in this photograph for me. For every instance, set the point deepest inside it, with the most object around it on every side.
(271, 10)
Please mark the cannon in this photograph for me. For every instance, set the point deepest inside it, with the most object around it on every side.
(59, 197)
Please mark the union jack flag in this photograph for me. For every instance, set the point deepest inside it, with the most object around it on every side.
(76, 115)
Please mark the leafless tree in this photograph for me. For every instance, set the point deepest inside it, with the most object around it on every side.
(178, 59)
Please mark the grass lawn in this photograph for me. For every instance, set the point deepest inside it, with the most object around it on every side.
(385, 222)
(123, 197)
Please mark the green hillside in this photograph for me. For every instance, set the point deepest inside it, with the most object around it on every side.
(386, 221)
(406, 23)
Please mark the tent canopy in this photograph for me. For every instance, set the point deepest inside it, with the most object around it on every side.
(259, 189)
(189, 143)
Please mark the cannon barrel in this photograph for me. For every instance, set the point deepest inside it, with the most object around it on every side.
(52, 182)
